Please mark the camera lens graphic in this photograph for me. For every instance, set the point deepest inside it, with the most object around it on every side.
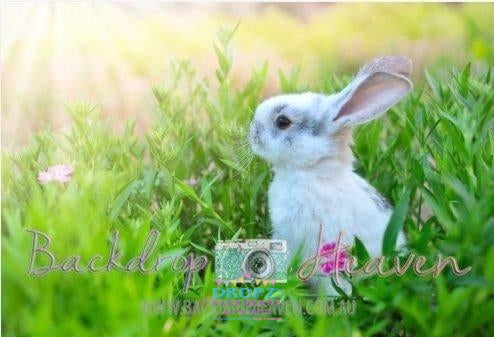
(259, 263)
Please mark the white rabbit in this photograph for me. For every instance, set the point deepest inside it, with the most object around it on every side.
(307, 137)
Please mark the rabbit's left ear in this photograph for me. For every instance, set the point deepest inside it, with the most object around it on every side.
(378, 86)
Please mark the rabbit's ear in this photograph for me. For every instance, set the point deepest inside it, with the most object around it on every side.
(378, 86)
(400, 65)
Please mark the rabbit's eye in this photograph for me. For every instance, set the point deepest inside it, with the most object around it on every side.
(282, 122)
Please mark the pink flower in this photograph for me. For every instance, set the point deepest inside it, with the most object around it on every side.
(328, 256)
(191, 181)
(61, 173)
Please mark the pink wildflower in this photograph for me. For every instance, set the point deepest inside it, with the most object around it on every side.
(191, 181)
(61, 173)
(328, 265)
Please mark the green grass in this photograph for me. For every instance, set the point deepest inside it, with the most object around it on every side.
(436, 147)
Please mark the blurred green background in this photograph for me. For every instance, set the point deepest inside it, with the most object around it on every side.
(158, 142)
(111, 53)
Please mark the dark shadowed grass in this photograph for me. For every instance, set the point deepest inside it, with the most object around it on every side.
(193, 178)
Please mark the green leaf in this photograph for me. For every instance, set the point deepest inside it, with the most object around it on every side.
(338, 289)
(200, 248)
(232, 164)
(464, 80)
(395, 224)
(361, 252)
(187, 190)
(435, 86)
(122, 198)
(237, 234)
(223, 61)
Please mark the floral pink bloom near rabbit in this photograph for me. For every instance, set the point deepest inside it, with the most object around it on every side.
(329, 264)
(61, 173)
